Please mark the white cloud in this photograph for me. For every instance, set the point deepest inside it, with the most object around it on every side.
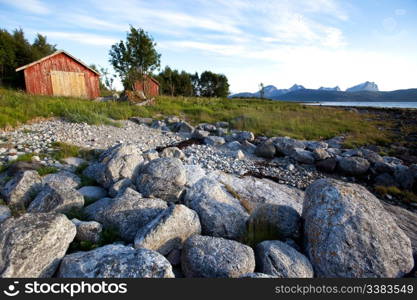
(400, 12)
(33, 6)
(82, 38)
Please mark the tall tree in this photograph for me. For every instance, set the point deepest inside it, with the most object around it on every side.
(41, 47)
(213, 85)
(136, 58)
(16, 51)
(262, 90)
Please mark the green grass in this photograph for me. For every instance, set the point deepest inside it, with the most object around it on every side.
(64, 150)
(406, 196)
(45, 170)
(271, 118)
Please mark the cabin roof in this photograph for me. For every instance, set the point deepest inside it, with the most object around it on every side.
(53, 54)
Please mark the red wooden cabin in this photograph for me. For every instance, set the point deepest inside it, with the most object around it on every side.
(61, 74)
(149, 86)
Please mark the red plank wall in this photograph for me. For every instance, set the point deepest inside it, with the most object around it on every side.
(38, 80)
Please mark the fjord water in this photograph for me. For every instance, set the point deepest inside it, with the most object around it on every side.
(367, 104)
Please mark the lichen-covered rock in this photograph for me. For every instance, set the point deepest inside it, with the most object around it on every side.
(205, 256)
(20, 190)
(120, 187)
(220, 213)
(126, 213)
(286, 145)
(162, 178)
(169, 230)
(253, 192)
(120, 162)
(56, 198)
(88, 231)
(32, 245)
(353, 165)
(62, 178)
(349, 234)
(115, 261)
(173, 152)
(407, 221)
(5, 213)
(270, 221)
(280, 260)
(193, 173)
(321, 154)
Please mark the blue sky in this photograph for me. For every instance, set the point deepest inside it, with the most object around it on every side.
(310, 42)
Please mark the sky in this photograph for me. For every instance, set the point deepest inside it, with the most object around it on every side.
(280, 42)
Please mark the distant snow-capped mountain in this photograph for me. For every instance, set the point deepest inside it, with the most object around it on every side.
(270, 92)
(364, 87)
(336, 88)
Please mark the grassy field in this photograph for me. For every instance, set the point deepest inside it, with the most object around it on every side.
(270, 118)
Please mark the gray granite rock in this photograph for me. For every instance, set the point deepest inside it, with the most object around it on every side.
(19, 190)
(278, 259)
(5, 213)
(169, 230)
(33, 245)
(115, 261)
(349, 234)
(93, 192)
(220, 213)
(62, 178)
(88, 231)
(353, 165)
(120, 187)
(126, 213)
(162, 178)
(56, 198)
(205, 256)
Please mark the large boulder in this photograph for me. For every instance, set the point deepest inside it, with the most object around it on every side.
(119, 162)
(407, 221)
(303, 156)
(21, 189)
(126, 213)
(115, 261)
(271, 221)
(172, 152)
(349, 234)
(253, 192)
(327, 165)
(404, 177)
(62, 178)
(353, 165)
(205, 256)
(169, 230)
(220, 213)
(162, 178)
(56, 198)
(280, 260)
(34, 244)
(286, 145)
(266, 149)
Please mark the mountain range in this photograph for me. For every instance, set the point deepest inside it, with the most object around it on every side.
(367, 92)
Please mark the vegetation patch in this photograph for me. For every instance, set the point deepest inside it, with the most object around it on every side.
(406, 196)
(263, 117)
(45, 170)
